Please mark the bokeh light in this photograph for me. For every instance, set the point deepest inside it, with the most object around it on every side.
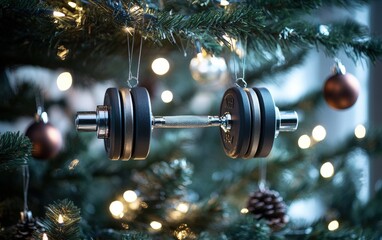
(333, 225)
(319, 133)
(64, 81)
(160, 66)
(304, 142)
(327, 170)
(167, 96)
(360, 131)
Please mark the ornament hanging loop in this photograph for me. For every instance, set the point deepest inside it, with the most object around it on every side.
(240, 82)
(338, 67)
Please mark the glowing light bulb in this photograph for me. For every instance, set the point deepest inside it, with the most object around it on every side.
(333, 225)
(360, 131)
(156, 225)
(224, 3)
(44, 236)
(60, 219)
(244, 210)
(304, 142)
(167, 96)
(58, 14)
(160, 66)
(44, 117)
(319, 133)
(327, 170)
(182, 207)
(130, 196)
(64, 81)
(72, 4)
(116, 209)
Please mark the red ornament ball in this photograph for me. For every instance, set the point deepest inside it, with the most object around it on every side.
(341, 91)
(46, 140)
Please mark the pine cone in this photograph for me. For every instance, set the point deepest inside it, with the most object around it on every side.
(26, 226)
(268, 205)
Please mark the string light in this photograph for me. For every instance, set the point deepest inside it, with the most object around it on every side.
(116, 209)
(224, 3)
(327, 170)
(73, 164)
(60, 219)
(360, 131)
(58, 14)
(167, 96)
(72, 4)
(333, 225)
(64, 81)
(160, 66)
(44, 117)
(319, 133)
(130, 196)
(156, 225)
(304, 142)
(44, 236)
(244, 210)
(182, 207)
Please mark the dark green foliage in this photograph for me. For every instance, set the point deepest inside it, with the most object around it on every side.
(15, 150)
(70, 228)
(247, 228)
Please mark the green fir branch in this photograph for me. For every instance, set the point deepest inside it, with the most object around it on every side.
(15, 150)
(69, 229)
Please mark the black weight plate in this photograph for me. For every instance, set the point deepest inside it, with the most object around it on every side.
(113, 144)
(127, 123)
(268, 122)
(256, 123)
(142, 122)
(236, 141)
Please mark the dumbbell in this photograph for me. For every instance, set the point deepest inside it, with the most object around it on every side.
(249, 121)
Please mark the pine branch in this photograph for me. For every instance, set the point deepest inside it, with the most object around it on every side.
(15, 150)
(69, 229)
(95, 31)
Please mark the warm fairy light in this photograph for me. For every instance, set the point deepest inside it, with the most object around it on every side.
(129, 30)
(244, 210)
(73, 164)
(130, 196)
(327, 170)
(58, 14)
(333, 225)
(304, 142)
(72, 4)
(182, 207)
(60, 219)
(116, 209)
(360, 131)
(156, 225)
(64, 81)
(44, 117)
(319, 133)
(224, 3)
(160, 66)
(167, 96)
(44, 236)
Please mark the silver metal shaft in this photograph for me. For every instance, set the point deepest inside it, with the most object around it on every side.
(286, 121)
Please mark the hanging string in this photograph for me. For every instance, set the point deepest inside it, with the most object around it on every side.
(240, 82)
(263, 173)
(25, 186)
(133, 81)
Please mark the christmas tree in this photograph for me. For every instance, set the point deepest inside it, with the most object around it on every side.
(318, 182)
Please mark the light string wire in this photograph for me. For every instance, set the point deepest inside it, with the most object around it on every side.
(25, 170)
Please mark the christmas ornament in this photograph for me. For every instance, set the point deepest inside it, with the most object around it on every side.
(46, 139)
(249, 122)
(206, 69)
(341, 90)
(268, 205)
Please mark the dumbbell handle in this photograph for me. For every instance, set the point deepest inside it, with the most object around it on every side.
(97, 121)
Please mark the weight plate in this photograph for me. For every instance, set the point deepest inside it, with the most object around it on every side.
(142, 123)
(113, 144)
(236, 141)
(268, 122)
(256, 123)
(127, 123)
